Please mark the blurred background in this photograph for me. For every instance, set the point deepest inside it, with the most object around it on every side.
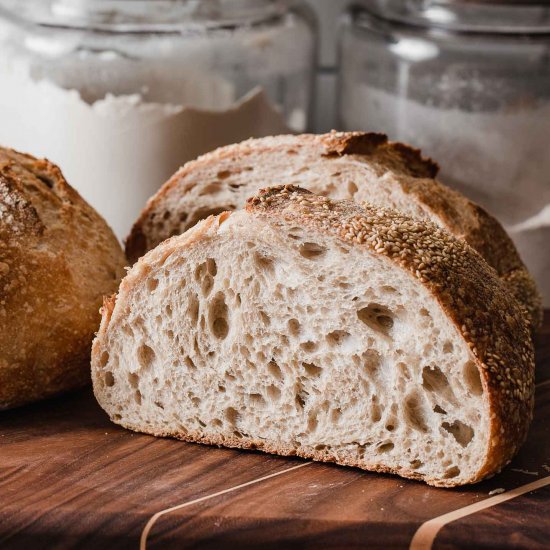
(120, 93)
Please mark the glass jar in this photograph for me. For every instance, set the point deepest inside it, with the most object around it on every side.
(120, 93)
(469, 83)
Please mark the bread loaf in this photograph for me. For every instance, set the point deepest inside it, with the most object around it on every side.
(58, 258)
(353, 165)
(319, 328)
(358, 166)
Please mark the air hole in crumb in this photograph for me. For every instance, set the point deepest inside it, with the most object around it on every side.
(273, 392)
(460, 431)
(309, 346)
(434, 380)
(424, 312)
(448, 347)
(312, 422)
(190, 364)
(145, 356)
(152, 284)
(104, 359)
(210, 189)
(375, 410)
(193, 308)
(223, 174)
(168, 310)
(232, 415)
(238, 434)
(414, 412)
(206, 285)
(211, 267)
(472, 378)
(266, 320)
(385, 447)
(311, 251)
(311, 369)
(295, 232)
(451, 472)
(389, 289)
(294, 327)
(377, 317)
(133, 379)
(371, 360)
(257, 398)
(109, 378)
(202, 213)
(337, 337)
(265, 263)
(137, 397)
(217, 423)
(335, 415)
(274, 370)
(218, 315)
(439, 410)
(159, 405)
(415, 464)
(352, 188)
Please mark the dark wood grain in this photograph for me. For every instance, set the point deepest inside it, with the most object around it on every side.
(71, 479)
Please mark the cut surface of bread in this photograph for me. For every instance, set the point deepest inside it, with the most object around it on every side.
(323, 329)
(58, 258)
(344, 165)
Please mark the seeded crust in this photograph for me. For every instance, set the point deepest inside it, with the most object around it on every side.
(392, 171)
(57, 259)
(489, 319)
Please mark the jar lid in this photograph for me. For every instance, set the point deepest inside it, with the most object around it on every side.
(476, 16)
(141, 15)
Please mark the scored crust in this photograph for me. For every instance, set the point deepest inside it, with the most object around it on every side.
(488, 319)
(385, 165)
(57, 258)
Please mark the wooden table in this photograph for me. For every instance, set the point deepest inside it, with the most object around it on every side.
(71, 479)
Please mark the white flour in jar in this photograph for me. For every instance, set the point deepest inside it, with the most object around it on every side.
(499, 159)
(118, 150)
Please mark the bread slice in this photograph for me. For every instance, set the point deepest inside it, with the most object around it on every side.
(358, 166)
(58, 258)
(319, 328)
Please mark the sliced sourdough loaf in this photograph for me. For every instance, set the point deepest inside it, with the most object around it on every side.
(358, 166)
(324, 329)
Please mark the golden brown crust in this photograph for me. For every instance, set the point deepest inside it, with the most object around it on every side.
(57, 258)
(414, 173)
(489, 319)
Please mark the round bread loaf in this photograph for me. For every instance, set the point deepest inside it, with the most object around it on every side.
(58, 258)
(364, 167)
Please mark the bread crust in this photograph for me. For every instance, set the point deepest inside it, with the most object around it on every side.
(57, 259)
(414, 173)
(475, 300)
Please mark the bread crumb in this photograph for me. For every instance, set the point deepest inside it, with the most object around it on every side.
(496, 491)
(546, 468)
